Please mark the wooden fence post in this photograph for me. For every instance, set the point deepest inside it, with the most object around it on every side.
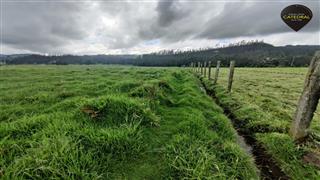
(217, 72)
(231, 72)
(198, 69)
(205, 69)
(308, 101)
(209, 71)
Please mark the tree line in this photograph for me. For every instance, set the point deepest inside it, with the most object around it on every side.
(247, 54)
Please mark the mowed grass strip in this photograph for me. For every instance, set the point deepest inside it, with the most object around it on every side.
(265, 99)
(117, 122)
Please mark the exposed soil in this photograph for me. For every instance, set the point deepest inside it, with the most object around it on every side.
(265, 163)
(312, 158)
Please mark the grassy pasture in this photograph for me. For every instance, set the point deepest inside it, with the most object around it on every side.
(117, 122)
(266, 99)
(275, 91)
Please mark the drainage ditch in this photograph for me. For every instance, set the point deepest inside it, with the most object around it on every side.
(265, 163)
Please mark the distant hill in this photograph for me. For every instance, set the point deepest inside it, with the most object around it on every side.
(69, 59)
(248, 55)
(256, 54)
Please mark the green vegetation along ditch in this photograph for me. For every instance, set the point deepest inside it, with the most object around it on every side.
(263, 101)
(116, 122)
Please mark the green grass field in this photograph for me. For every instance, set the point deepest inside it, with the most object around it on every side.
(275, 91)
(114, 122)
(266, 98)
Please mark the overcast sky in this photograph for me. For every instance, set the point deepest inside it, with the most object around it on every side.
(107, 27)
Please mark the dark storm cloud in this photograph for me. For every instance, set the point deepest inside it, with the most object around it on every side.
(168, 12)
(168, 15)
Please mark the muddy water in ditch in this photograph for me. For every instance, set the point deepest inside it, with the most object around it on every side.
(264, 162)
(241, 141)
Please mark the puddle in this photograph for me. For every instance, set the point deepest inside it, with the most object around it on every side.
(241, 141)
(202, 89)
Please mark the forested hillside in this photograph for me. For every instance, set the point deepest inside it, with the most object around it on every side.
(247, 55)
(253, 54)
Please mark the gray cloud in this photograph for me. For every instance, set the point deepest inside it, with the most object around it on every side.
(168, 12)
(108, 26)
(42, 26)
(250, 19)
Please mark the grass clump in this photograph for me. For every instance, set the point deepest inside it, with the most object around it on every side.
(288, 155)
(117, 110)
(191, 159)
(121, 142)
(49, 160)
